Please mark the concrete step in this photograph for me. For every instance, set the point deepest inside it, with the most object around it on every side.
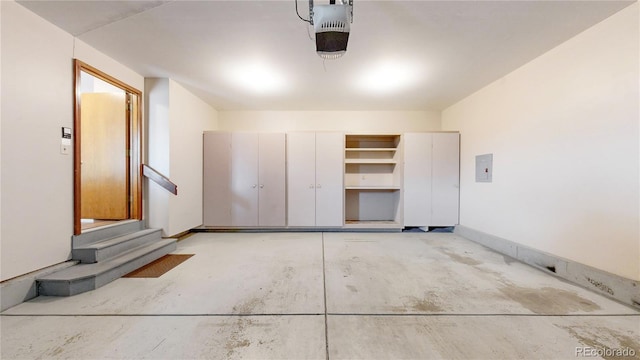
(106, 232)
(105, 249)
(86, 277)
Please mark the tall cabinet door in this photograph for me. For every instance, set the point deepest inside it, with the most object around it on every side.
(272, 182)
(217, 172)
(244, 179)
(417, 179)
(301, 179)
(329, 150)
(445, 179)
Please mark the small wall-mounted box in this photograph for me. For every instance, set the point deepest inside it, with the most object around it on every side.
(484, 168)
(65, 142)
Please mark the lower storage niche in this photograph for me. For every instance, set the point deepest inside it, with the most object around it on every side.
(372, 208)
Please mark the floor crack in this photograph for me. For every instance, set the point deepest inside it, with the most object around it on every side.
(324, 285)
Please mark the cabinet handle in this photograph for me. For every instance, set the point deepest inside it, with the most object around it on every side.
(311, 186)
(254, 186)
(318, 186)
(261, 186)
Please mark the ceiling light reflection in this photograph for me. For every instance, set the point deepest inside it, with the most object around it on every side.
(255, 77)
(387, 77)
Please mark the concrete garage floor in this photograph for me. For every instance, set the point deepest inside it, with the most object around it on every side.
(326, 295)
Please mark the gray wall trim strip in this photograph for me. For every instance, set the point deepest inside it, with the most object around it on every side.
(613, 286)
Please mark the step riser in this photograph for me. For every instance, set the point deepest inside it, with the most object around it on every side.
(91, 255)
(74, 287)
(97, 235)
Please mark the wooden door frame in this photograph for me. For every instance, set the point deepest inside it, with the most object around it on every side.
(134, 143)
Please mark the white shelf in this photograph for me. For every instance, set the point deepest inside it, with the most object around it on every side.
(389, 188)
(370, 161)
(371, 149)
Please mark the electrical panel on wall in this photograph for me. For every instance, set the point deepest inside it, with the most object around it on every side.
(484, 168)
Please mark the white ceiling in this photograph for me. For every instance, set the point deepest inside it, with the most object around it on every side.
(258, 55)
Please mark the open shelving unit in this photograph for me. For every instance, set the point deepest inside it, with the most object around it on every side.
(373, 181)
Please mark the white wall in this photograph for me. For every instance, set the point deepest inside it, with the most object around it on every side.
(177, 119)
(1, 278)
(156, 100)
(190, 116)
(347, 121)
(36, 178)
(564, 133)
(37, 181)
(108, 65)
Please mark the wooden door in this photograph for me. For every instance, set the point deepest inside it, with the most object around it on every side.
(329, 179)
(301, 179)
(417, 179)
(445, 179)
(244, 179)
(272, 179)
(217, 179)
(104, 161)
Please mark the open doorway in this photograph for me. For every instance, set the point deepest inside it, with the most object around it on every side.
(107, 187)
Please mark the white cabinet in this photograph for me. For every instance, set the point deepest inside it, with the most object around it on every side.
(330, 180)
(301, 179)
(244, 179)
(417, 179)
(431, 179)
(217, 179)
(314, 179)
(271, 179)
(445, 179)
